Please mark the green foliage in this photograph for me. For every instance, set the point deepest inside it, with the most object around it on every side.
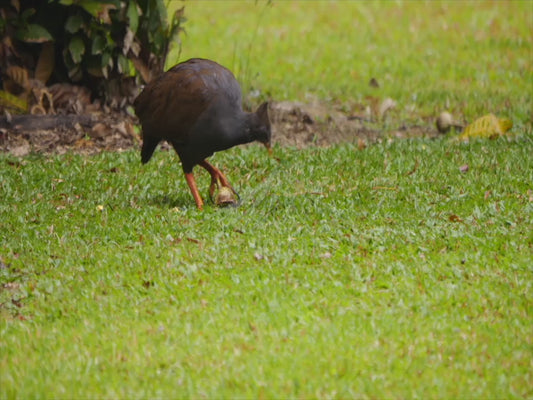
(94, 41)
(389, 272)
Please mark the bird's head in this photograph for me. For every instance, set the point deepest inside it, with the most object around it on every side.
(262, 131)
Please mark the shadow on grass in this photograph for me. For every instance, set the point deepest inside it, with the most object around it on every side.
(179, 200)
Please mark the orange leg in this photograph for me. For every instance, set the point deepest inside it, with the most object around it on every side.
(194, 190)
(217, 177)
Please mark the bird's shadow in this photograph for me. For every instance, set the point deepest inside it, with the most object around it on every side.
(166, 201)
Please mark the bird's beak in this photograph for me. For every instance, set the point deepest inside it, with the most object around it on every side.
(268, 147)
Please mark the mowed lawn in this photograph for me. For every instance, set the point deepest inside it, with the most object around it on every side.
(399, 270)
(469, 57)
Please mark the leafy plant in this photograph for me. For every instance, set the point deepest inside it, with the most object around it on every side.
(99, 44)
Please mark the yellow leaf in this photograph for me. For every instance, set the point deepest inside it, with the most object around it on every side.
(488, 126)
(12, 103)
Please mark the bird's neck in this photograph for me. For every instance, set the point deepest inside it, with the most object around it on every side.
(244, 126)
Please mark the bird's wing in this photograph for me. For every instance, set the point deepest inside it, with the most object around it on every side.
(170, 105)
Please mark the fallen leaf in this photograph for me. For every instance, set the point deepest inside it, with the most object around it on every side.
(19, 76)
(385, 106)
(148, 284)
(11, 285)
(414, 169)
(99, 131)
(488, 126)
(373, 83)
(22, 150)
(455, 218)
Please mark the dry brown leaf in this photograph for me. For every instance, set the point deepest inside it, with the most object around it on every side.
(83, 144)
(103, 13)
(37, 109)
(455, 218)
(99, 131)
(414, 168)
(142, 68)
(21, 150)
(374, 83)
(70, 98)
(386, 105)
(18, 81)
(44, 102)
(45, 63)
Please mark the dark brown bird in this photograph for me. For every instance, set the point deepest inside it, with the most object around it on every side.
(196, 106)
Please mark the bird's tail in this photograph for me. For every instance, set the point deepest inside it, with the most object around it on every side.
(148, 147)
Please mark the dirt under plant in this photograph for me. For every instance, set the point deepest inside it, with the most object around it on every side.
(293, 124)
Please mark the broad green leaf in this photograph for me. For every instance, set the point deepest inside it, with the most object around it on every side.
(162, 11)
(76, 48)
(106, 59)
(74, 23)
(99, 9)
(133, 15)
(27, 13)
(75, 73)
(157, 38)
(157, 17)
(67, 59)
(91, 6)
(123, 65)
(33, 33)
(98, 45)
(93, 66)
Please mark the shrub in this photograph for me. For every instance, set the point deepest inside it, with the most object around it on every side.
(108, 46)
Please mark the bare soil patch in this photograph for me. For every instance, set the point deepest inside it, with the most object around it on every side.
(294, 124)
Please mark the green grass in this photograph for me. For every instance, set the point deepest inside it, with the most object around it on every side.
(470, 57)
(385, 272)
(388, 272)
